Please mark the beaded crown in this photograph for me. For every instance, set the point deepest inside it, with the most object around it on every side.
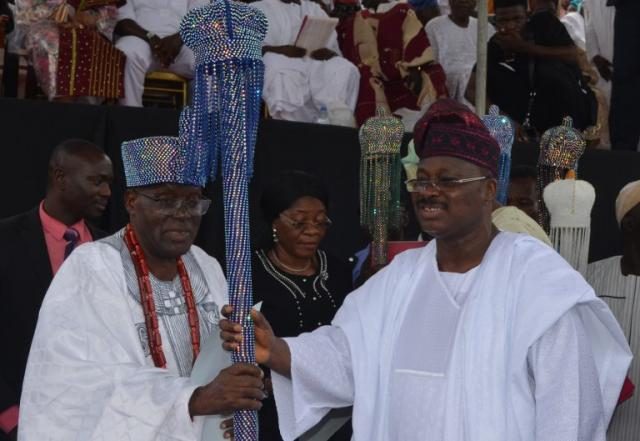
(380, 176)
(501, 129)
(562, 146)
(156, 160)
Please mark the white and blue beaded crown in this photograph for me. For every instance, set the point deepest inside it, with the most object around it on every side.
(503, 132)
(224, 30)
(157, 160)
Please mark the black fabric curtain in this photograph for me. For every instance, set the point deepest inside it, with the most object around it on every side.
(30, 130)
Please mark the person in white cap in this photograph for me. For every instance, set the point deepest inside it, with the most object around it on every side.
(617, 281)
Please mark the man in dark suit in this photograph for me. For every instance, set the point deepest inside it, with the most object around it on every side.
(34, 245)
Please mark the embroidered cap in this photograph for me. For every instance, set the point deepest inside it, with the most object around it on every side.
(449, 128)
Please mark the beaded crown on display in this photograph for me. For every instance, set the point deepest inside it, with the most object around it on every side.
(501, 129)
(380, 141)
(157, 160)
(560, 149)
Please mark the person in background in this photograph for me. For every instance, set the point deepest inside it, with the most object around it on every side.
(617, 281)
(392, 53)
(522, 190)
(148, 34)
(453, 38)
(599, 20)
(69, 46)
(301, 86)
(34, 246)
(300, 286)
(535, 54)
(426, 10)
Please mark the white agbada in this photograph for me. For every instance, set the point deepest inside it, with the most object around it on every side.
(454, 48)
(622, 294)
(296, 88)
(599, 20)
(90, 375)
(501, 354)
(163, 19)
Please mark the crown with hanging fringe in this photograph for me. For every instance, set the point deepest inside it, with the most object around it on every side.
(560, 149)
(226, 39)
(501, 129)
(570, 202)
(380, 176)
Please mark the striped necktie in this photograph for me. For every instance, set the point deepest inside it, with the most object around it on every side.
(71, 236)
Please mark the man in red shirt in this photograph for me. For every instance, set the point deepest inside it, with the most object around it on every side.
(34, 246)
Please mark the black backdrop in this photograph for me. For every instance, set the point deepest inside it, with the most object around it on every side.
(30, 130)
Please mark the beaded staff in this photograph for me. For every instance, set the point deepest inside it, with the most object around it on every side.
(221, 128)
(380, 141)
(560, 149)
(501, 129)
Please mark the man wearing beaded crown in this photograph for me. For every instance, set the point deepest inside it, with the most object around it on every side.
(481, 335)
(125, 318)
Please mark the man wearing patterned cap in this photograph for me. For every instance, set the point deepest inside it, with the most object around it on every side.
(617, 280)
(480, 335)
(125, 318)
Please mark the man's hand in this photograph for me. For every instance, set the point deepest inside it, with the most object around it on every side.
(604, 66)
(227, 426)
(512, 42)
(166, 49)
(322, 54)
(231, 334)
(288, 51)
(86, 19)
(237, 387)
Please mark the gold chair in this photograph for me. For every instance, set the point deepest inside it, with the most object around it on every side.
(165, 89)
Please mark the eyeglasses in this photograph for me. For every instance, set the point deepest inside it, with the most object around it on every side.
(171, 206)
(444, 184)
(302, 226)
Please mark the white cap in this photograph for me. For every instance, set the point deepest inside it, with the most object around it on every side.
(569, 203)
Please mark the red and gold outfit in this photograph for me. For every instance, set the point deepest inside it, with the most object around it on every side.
(69, 60)
(390, 50)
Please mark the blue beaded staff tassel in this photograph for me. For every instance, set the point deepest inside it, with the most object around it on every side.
(502, 131)
(221, 127)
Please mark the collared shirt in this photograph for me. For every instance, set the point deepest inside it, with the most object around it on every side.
(53, 232)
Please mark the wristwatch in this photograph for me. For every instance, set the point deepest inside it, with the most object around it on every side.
(150, 35)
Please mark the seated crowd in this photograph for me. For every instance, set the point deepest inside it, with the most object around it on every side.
(402, 56)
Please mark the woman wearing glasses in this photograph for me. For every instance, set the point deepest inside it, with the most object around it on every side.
(300, 285)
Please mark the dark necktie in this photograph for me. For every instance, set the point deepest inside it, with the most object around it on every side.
(71, 236)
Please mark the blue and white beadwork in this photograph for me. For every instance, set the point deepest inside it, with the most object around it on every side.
(220, 130)
(156, 160)
(502, 131)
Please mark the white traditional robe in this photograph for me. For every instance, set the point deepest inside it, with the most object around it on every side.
(90, 375)
(599, 35)
(455, 48)
(296, 88)
(525, 351)
(622, 294)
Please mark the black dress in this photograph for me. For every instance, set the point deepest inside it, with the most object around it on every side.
(294, 304)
